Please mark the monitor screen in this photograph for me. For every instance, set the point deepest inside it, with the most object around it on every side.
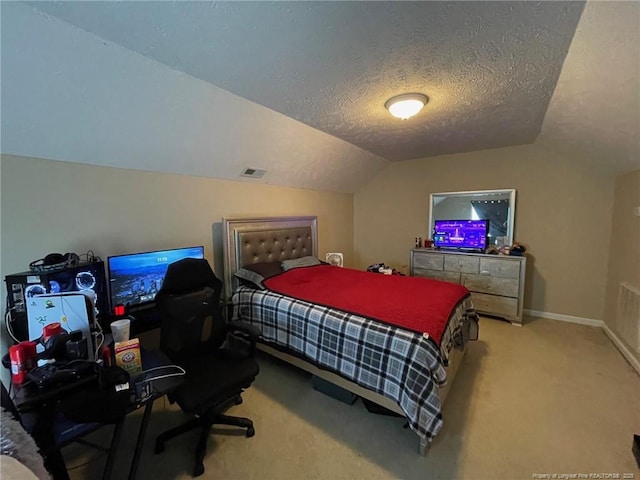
(462, 234)
(135, 278)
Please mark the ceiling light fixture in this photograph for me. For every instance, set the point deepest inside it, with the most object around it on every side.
(406, 105)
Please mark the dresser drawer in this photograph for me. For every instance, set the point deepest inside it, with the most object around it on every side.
(461, 263)
(501, 306)
(453, 277)
(496, 282)
(497, 267)
(432, 261)
(508, 287)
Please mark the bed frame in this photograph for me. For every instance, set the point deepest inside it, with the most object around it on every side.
(275, 239)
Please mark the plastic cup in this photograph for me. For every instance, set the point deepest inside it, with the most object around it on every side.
(120, 330)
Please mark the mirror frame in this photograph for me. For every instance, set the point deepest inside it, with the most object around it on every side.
(508, 191)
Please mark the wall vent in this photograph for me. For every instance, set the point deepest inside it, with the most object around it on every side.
(628, 315)
(253, 172)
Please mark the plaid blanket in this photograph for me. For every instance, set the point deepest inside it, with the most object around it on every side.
(404, 366)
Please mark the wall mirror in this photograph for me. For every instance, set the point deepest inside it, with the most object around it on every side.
(498, 206)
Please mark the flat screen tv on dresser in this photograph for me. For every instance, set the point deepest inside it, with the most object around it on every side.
(467, 235)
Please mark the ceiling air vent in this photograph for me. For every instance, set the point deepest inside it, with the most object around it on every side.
(253, 172)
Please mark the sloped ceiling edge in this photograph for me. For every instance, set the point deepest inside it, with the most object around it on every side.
(595, 108)
(69, 95)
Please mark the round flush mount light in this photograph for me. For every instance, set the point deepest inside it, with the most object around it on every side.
(406, 105)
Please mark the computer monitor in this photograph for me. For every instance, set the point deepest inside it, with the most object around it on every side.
(135, 278)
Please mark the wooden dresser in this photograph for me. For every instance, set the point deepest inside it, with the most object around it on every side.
(496, 282)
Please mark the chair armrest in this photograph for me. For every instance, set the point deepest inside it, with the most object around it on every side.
(246, 331)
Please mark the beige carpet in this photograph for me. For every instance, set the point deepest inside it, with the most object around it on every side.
(547, 398)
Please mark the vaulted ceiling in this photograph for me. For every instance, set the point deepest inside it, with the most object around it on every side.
(305, 83)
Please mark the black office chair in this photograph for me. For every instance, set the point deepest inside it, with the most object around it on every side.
(217, 356)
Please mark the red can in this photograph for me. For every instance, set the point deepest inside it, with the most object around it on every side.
(30, 359)
(106, 356)
(18, 364)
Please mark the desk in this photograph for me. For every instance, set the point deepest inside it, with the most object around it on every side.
(43, 403)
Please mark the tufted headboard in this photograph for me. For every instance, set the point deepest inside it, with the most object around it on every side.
(268, 239)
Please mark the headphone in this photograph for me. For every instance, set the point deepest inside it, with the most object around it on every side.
(54, 261)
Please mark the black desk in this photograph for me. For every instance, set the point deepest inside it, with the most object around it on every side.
(43, 403)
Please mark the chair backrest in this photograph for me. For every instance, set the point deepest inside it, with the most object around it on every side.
(189, 307)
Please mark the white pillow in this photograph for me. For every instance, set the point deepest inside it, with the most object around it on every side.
(300, 262)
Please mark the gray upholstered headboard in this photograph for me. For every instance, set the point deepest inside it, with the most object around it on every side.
(268, 239)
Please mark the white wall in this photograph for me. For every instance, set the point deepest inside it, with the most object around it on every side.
(563, 216)
(624, 265)
(50, 206)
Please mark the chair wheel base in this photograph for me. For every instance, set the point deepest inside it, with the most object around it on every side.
(250, 432)
(198, 470)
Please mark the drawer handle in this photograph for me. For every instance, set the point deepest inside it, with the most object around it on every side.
(485, 272)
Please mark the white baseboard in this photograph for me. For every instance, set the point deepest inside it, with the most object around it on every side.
(566, 318)
(624, 350)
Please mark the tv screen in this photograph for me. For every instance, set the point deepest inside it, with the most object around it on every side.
(461, 234)
(135, 278)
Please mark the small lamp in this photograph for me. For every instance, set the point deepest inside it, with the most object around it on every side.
(406, 105)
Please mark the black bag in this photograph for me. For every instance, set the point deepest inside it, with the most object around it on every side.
(105, 401)
(375, 268)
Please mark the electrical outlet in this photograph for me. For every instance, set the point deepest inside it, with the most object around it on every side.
(636, 211)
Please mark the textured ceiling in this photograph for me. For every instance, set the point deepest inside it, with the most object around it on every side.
(489, 68)
(595, 108)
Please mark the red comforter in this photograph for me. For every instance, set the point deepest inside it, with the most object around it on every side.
(418, 304)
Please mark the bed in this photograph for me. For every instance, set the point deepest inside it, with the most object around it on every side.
(406, 370)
